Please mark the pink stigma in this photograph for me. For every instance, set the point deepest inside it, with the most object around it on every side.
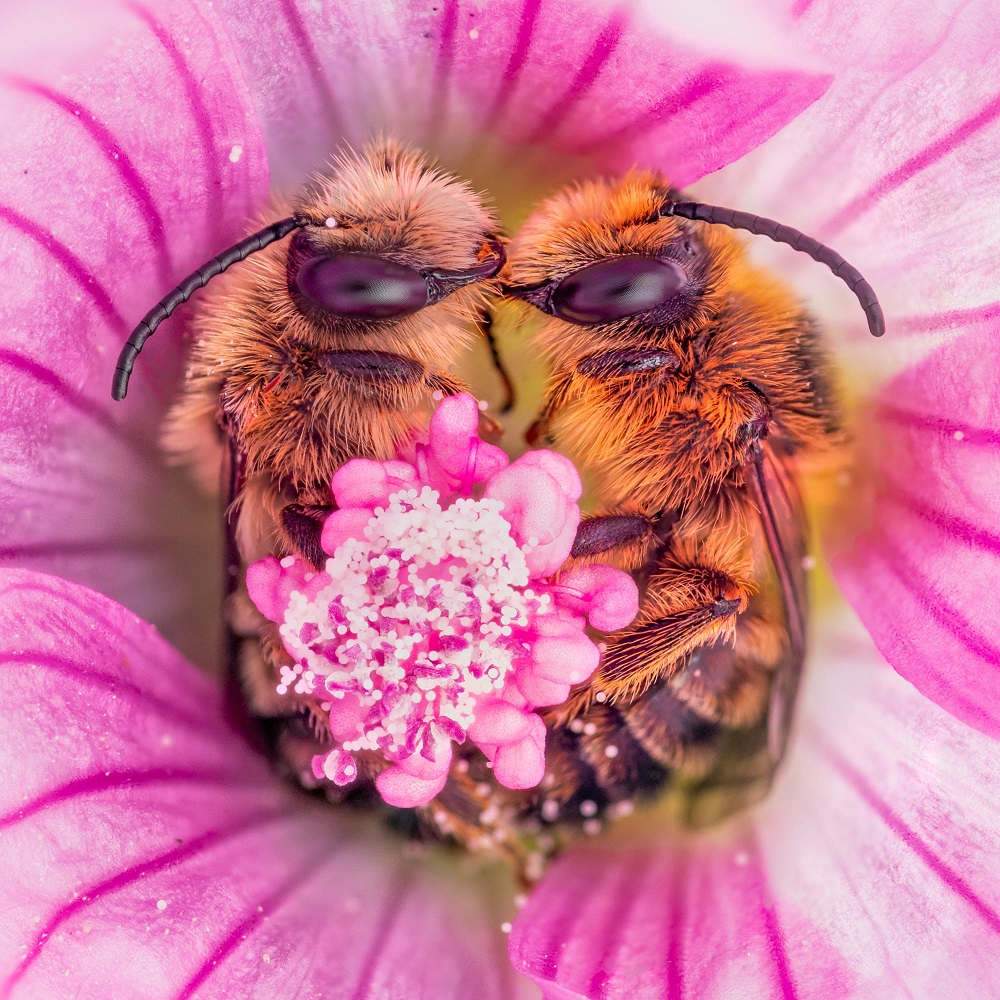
(435, 619)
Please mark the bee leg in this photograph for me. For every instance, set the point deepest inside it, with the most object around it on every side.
(623, 765)
(484, 321)
(303, 526)
(629, 537)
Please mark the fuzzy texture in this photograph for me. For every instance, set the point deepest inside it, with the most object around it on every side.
(696, 414)
(880, 835)
(437, 617)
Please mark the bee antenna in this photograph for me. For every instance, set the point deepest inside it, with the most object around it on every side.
(184, 291)
(760, 226)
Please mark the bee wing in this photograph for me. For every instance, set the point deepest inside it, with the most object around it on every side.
(773, 486)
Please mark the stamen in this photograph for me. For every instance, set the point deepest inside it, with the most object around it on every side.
(421, 629)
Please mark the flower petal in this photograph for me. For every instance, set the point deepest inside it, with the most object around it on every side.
(883, 194)
(593, 84)
(134, 158)
(521, 764)
(145, 848)
(363, 482)
(878, 838)
(925, 558)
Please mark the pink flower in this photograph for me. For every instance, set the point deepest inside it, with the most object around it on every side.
(425, 559)
(145, 850)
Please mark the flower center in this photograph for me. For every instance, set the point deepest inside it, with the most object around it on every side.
(421, 619)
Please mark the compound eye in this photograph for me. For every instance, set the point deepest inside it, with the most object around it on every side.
(352, 284)
(615, 288)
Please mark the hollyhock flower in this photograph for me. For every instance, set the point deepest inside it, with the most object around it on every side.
(146, 851)
(438, 615)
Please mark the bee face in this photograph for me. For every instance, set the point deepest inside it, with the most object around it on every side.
(602, 260)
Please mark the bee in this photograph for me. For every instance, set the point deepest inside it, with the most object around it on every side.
(690, 386)
(327, 346)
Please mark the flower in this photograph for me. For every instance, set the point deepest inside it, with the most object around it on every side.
(136, 144)
(386, 638)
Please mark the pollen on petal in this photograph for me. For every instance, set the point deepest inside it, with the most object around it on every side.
(428, 626)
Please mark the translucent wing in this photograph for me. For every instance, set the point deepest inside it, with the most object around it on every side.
(772, 484)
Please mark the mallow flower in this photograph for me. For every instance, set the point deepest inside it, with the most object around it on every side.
(145, 849)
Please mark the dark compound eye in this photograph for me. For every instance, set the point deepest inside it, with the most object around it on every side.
(615, 288)
(366, 287)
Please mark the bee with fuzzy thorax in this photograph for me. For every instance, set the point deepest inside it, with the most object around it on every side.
(690, 386)
(327, 346)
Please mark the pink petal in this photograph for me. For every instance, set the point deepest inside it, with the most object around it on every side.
(925, 556)
(499, 722)
(428, 768)
(608, 597)
(545, 85)
(342, 525)
(870, 872)
(533, 504)
(845, 172)
(134, 157)
(544, 560)
(269, 587)
(363, 482)
(345, 716)
(338, 765)
(521, 764)
(407, 791)
(563, 653)
(559, 467)
(147, 850)
(455, 446)
(540, 691)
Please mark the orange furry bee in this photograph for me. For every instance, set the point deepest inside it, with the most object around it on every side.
(321, 348)
(688, 384)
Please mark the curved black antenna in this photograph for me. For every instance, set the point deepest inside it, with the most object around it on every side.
(184, 291)
(760, 226)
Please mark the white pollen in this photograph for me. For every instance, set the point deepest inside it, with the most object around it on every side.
(601, 696)
(588, 807)
(331, 223)
(592, 827)
(808, 563)
(235, 153)
(474, 34)
(959, 435)
(611, 750)
(589, 729)
(505, 927)
(483, 405)
(161, 904)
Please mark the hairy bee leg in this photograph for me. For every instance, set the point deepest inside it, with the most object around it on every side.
(627, 538)
(303, 527)
(484, 323)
